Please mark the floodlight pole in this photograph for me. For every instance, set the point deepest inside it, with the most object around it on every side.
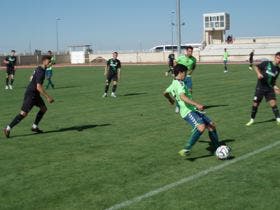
(57, 41)
(178, 12)
(172, 30)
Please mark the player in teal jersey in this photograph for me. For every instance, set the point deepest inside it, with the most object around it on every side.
(190, 110)
(225, 59)
(49, 71)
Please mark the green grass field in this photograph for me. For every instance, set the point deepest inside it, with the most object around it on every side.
(97, 152)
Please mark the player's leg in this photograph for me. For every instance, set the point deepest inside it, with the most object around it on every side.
(43, 109)
(28, 103)
(107, 85)
(7, 81)
(251, 65)
(12, 79)
(188, 83)
(225, 66)
(212, 131)
(259, 94)
(198, 128)
(115, 85)
(271, 99)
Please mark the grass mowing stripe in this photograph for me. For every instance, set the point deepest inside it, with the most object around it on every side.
(190, 178)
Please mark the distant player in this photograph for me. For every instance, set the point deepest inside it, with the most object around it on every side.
(251, 59)
(112, 73)
(171, 59)
(32, 98)
(189, 61)
(225, 59)
(10, 62)
(49, 71)
(190, 110)
(267, 73)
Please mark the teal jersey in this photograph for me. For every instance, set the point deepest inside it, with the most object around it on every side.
(176, 89)
(189, 62)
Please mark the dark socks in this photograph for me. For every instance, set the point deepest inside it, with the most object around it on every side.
(213, 135)
(39, 117)
(254, 112)
(114, 88)
(16, 120)
(7, 81)
(12, 81)
(106, 88)
(275, 111)
(193, 139)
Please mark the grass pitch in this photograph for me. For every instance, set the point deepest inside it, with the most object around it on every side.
(98, 152)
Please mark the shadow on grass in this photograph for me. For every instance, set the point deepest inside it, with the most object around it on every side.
(78, 128)
(215, 106)
(134, 94)
(265, 121)
(65, 87)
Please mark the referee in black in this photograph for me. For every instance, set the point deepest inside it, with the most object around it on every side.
(251, 59)
(32, 98)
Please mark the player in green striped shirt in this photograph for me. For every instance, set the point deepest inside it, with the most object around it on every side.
(190, 110)
(49, 71)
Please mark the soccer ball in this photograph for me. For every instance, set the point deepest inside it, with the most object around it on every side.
(223, 152)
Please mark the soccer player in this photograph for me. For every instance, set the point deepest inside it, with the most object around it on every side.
(251, 59)
(49, 71)
(190, 110)
(267, 73)
(112, 72)
(225, 58)
(32, 98)
(10, 62)
(171, 59)
(189, 61)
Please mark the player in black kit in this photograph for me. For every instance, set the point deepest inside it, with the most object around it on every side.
(251, 59)
(32, 98)
(171, 59)
(10, 62)
(267, 73)
(112, 73)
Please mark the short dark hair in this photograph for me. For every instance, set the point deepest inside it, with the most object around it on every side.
(13, 51)
(115, 52)
(50, 51)
(277, 54)
(189, 47)
(46, 57)
(179, 68)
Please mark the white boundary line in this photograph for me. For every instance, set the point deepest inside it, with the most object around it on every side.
(190, 178)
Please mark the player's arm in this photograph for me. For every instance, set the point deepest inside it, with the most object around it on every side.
(258, 72)
(276, 89)
(191, 102)
(106, 69)
(169, 97)
(5, 61)
(43, 92)
(119, 74)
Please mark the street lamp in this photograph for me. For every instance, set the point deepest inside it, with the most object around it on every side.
(172, 30)
(178, 13)
(57, 41)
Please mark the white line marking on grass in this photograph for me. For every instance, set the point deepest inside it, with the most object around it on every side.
(190, 178)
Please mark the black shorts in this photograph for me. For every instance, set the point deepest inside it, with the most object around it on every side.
(10, 70)
(269, 94)
(112, 76)
(171, 69)
(30, 101)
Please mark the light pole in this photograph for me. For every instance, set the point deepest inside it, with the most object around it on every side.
(172, 30)
(57, 41)
(178, 13)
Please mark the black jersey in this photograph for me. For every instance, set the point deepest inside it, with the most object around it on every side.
(37, 78)
(12, 60)
(171, 58)
(270, 74)
(114, 65)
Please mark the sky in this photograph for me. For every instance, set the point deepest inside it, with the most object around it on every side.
(124, 24)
